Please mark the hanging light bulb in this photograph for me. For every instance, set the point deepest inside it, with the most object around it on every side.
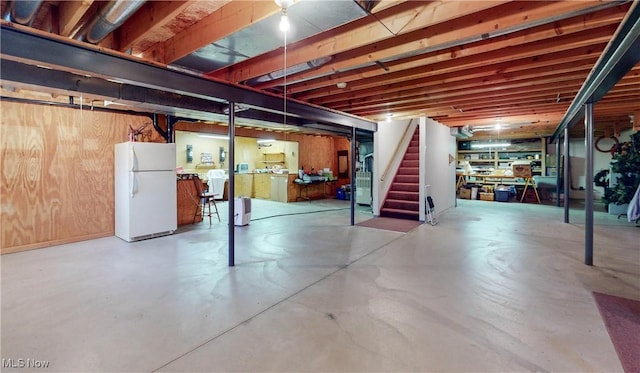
(284, 21)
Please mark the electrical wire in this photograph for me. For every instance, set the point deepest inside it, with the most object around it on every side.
(284, 92)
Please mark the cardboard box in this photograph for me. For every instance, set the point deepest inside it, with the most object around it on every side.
(521, 170)
(486, 196)
(465, 193)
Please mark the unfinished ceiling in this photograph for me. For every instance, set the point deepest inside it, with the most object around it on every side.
(475, 63)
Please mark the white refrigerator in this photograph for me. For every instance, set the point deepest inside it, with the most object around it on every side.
(145, 190)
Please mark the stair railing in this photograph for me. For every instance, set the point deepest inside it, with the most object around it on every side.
(396, 150)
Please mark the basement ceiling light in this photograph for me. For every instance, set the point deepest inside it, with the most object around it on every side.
(481, 145)
(219, 137)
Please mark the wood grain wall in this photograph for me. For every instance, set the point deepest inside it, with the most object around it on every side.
(57, 170)
(317, 151)
(57, 173)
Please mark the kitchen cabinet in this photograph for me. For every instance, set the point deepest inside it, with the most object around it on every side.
(279, 186)
(243, 185)
(261, 186)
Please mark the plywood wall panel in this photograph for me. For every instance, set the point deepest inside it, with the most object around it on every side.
(57, 173)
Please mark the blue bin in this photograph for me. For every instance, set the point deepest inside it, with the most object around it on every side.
(502, 195)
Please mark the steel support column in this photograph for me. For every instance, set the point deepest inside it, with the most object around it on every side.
(588, 208)
(558, 175)
(230, 194)
(353, 175)
(566, 175)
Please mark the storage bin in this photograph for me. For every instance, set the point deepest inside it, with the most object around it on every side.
(465, 193)
(486, 196)
(502, 195)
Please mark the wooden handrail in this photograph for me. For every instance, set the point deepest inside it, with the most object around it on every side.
(404, 135)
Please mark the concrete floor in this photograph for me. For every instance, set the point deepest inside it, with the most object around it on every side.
(493, 287)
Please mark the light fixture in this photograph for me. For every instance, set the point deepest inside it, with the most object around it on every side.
(389, 115)
(219, 137)
(480, 145)
(284, 21)
(264, 141)
(341, 85)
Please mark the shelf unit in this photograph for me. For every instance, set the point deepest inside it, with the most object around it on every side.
(492, 160)
(273, 158)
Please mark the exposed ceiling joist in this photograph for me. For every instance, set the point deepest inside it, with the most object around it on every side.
(621, 55)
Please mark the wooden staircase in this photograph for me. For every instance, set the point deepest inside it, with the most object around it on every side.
(403, 198)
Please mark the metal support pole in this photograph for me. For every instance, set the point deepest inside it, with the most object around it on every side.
(353, 175)
(558, 175)
(231, 162)
(566, 175)
(588, 151)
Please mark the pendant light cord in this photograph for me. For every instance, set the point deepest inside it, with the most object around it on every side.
(284, 93)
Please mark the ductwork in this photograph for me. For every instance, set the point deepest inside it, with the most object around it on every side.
(110, 17)
(22, 12)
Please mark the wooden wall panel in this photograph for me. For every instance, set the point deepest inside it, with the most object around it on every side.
(57, 173)
(317, 151)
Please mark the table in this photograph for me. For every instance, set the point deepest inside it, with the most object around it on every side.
(304, 185)
(497, 179)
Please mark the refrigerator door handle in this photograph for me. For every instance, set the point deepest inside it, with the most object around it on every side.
(133, 183)
(133, 165)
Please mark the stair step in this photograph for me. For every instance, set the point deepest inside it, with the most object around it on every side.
(404, 195)
(400, 214)
(408, 179)
(402, 204)
(408, 171)
(410, 163)
(413, 149)
(405, 187)
(414, 143)
(412, 156)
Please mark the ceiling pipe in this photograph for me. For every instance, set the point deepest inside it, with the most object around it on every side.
(22, 12)
(110, 17)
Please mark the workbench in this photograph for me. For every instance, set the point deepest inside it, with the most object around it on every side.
(500, 179)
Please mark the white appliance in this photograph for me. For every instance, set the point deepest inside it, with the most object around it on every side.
(363, 188)
(241, 210)
(145, 190)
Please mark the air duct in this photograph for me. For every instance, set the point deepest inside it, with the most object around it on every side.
(290, 70)
(110, 17)
(22, 12)
(461, 132)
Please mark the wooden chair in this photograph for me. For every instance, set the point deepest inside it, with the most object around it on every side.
(205, 200)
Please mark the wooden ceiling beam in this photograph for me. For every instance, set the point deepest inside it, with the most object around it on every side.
(225, 21)
(70, 13)
(149, 19)
(445, 41)
(458, 70)
(404, 18)
(607, 17)
(461, 94)
(494, 111)
(463, 101)
(488, 81)
(528, 118)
